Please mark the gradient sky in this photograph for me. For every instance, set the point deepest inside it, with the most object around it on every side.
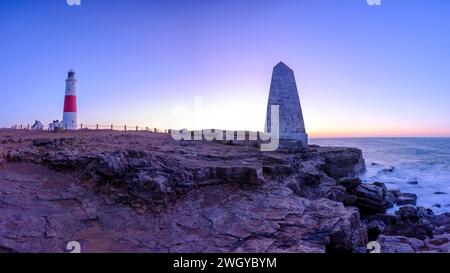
(361, 70)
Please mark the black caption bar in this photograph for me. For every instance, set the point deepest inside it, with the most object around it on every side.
(260, 263)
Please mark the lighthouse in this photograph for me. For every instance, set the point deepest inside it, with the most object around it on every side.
(69, 121)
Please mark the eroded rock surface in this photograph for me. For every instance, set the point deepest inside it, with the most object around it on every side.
(144, 192)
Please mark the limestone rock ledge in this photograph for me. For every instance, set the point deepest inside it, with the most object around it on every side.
(144, 192)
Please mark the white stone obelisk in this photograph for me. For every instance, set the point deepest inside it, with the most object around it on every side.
(284, 93)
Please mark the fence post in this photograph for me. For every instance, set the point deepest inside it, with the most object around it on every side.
(96, 127)
(65, 126)
(112, 127)
(125, 128)
(81, 125)
(136, 128)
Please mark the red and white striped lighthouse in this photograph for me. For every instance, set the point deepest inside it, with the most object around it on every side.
(70, 103)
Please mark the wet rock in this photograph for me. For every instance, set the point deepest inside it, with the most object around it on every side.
(390, 199)
(350, 184)
(441, 223)
(388, 170)
(413, 214)
(350, 200)
(370, 198)
(387, 219)
(440, 192)
(344, 163)
(412, 222)
(406, 199)
(381, 185)
(374, 229)
(415, 182)
(393, 188)
(419, 230)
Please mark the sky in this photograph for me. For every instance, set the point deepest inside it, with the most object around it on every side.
(361, 70)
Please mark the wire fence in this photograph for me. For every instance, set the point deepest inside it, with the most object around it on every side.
(92, 127)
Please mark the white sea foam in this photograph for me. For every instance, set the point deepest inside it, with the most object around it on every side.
(415, 165)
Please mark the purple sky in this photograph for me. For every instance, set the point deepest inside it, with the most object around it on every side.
(361, 70)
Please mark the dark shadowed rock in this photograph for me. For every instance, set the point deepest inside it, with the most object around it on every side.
(42, 142)
(374, 229)
(347, 164)
(112, 164)
(412, 222)
(413, 214)
(401, 244)
(370, 198)
(350, 183)
(406, 199)
(391, 199)
(388, 170)
(311, 178)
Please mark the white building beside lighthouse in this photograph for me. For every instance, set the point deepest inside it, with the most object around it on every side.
(69, 121)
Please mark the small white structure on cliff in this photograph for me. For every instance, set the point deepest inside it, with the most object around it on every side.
(37, 126)
(284, 93)
(56, 125)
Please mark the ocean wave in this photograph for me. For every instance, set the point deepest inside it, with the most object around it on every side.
(416, 165)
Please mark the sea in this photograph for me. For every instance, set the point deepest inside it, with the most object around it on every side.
(414, 165)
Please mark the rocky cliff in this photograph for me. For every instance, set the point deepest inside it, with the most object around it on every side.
(144, 192)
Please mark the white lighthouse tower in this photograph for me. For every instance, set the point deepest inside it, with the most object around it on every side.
(69, 121)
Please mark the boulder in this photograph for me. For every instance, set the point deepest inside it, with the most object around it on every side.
(113, 164)
(346, 163)
(370, 198)
(391, 199)
(2, 158)
(388, 169)
(350, 183)
(413, 214)
(43, 142)
(412, 222)
(374, 229)
(406, 199)
(401, 244)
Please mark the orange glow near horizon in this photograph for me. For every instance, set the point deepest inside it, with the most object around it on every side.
(376, 132)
